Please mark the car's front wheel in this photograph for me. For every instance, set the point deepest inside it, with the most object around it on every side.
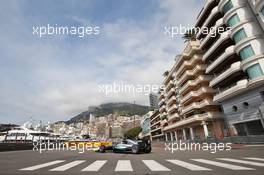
(135, 149)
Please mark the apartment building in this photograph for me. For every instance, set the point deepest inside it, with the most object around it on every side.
(190, 113)
(258, 8)
(153, 101)
(236, 61)
(156, 133)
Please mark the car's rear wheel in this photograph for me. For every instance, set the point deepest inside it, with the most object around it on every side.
(148, 149)
(135, 149)
(102, 149)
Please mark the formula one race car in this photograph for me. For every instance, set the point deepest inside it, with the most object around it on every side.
(127, 145)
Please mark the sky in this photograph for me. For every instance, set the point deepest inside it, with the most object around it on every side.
(55, 77)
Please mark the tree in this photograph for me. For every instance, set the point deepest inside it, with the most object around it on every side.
(132, 133)
(166, 73)
(163, 117)
(190, 35)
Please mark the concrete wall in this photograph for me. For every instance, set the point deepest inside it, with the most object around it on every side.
(243, 113)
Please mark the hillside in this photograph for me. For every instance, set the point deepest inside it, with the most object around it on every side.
(126, 109)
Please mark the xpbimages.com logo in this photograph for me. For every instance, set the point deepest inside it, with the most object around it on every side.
(186, 146)
(80, 31)
(173, 31)
(42, 146)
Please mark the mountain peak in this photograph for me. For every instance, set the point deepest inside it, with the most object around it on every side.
(120, 108)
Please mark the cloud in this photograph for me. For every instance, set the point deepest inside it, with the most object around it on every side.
(54, 78)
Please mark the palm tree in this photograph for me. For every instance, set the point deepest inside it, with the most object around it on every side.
(190, 35)
(166, 73)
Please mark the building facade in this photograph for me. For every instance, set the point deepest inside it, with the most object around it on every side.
(190, 113)
(156, 133)
(153, 101)
(258, 8)
(145, 126)
(235, 58)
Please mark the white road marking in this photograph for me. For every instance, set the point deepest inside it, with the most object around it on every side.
(123, 165)
(188, 165)
(155, 166)
(242, 161)
(254, 158)
(95, 166)
(42, 165)
(68, 165)
(223, 165)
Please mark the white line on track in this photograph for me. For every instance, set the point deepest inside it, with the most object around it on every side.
(223, 165)
(155, 166)
(68, 165)
(42, 165)
(188, 165)
(95, 166)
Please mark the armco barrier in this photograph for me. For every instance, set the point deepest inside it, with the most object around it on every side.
(15, 146)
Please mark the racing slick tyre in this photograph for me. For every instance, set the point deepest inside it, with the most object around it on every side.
(135, 149)
(148, 149)
(102, 149)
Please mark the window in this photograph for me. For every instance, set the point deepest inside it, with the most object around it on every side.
(239, 35)
(227, 6)
(262, 11)
(246, 52)
(124, 142)
(234, 108)
(245, 104)
(254, 71)
(233, 20)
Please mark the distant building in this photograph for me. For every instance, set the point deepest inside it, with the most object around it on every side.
(145, 125)
(101, 129)
(117, 131)
(153, 100)
(156, 133)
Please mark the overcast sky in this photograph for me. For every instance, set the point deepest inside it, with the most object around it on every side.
(55, 77)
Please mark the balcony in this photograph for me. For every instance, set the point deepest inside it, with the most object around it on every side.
(193, 83)
(193, 119)
(162, 108)
(197, 105)
(163, 122)
(191, 73)
(240, 86)
(162, 95)
(161, 102)
(173, 116)
(234, 68)
(209, 4)
(171, 100)
(154, 118)
(170, 93)
(191, 48)
(209, 19)
(156, 129)
(224, 36)
(168, 78)
(169, 85)
(172, 108)
(155, 123)
(228, 52)
(195, 94)
(219, 23)
(188, 64)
